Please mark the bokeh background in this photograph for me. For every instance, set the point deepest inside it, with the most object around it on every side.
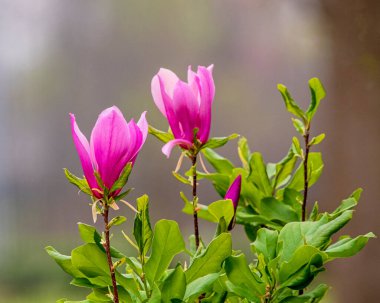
(82, 56)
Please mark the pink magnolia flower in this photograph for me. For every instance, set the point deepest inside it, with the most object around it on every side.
(187, 106)
(113, 144)
(233, 193)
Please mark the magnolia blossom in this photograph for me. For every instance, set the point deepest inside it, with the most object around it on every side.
(233, 193)
(113, 144)
(187, 106)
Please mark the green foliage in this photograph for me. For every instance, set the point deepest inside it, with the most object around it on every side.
(142, 230)
(160, 135)
(167, 243)
(123, 178)
(287, 252)
(78, 182)
(219, 141)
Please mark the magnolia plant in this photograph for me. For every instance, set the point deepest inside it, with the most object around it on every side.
(289, 247)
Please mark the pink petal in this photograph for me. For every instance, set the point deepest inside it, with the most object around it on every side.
(170, 80)
(83, 150)
(157, 96)
(167, 148)
(143, 126)
(207, 96)
(193, 80)
(110, 141)
(233, 192)
(186, 109)
(135, 142)
(170, 114)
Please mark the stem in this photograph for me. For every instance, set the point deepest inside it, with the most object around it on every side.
(306, 179)
(143, 279)
(305, 172)
(195, 213)
(107, 247)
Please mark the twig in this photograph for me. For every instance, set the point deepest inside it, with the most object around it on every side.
(107, 247)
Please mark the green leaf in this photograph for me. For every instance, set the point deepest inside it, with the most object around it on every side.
(222, 208)
(317, 94)
(299, 126)
(313, 296)
(64, 262)
(200, 286)
(296, 147)
(89, 234)
(220, 164)
(244, 152)
(219, 141)
(156, 295)
(315, 168)
(142, 230)
(222, 227)
(348, 247)
(102, 295)
(314, 212)
(283, 169)
(259, 174)
(322, 235)
(167, 242)
(174, 285)
(181, 178)
(91, 261)
(240, 275)
(221, 182)
(160, 135)
(123, 178)
(317, 234)
(348, 203)
(210, 261)
(290, 104)
(273, 209)
(305, 275)
(242, 292)
(123, 194)
(266, 243)
(117, 221)
(302, 256)
(316, 140)
(78, 182)
(202, 211)
(213, 212)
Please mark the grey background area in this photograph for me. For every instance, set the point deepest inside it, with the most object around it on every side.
(58, 57)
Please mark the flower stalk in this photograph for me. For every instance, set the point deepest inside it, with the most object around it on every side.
(305, 171)
(107, 247)
(195, 199)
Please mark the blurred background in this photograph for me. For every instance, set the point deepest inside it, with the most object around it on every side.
(58, 57)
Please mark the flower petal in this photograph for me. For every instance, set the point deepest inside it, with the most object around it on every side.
(233, 192)
(143, 126)
(157, 95)
(193, 80)
(110, 141)
(207, 93)
(169, 80)
(135, 142)
(83, 150)
(186, 109)
(167, 148)
(170, 114)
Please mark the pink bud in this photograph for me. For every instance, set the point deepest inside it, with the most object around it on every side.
(187, 106)
(114, 143)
